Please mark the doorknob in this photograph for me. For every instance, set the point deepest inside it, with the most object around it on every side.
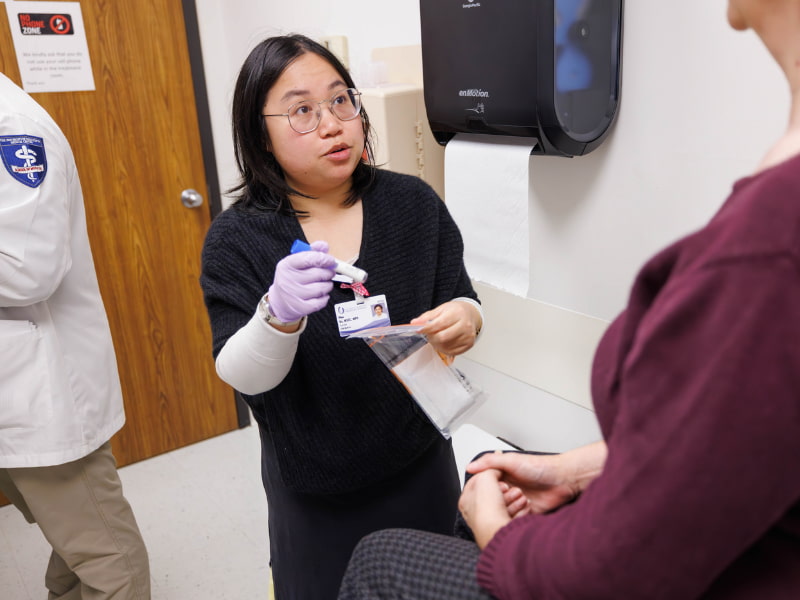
(191, 198)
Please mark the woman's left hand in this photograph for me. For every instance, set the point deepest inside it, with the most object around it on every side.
(451, 328)
(484, 505)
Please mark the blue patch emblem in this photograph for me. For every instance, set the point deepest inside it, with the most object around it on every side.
(24, 158)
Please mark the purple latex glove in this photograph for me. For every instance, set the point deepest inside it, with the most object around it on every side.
(302, 283)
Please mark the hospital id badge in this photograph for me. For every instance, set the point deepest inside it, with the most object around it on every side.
(358, 315)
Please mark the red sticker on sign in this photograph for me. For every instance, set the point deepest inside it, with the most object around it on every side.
(45, 24)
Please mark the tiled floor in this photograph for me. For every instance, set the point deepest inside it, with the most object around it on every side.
(203, 514)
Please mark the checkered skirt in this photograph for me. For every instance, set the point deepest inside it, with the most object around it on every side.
(405, 564)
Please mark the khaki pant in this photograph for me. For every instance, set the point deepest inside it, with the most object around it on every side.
(98, 551)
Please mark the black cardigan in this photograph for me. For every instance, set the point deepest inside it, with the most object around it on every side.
(340, 420)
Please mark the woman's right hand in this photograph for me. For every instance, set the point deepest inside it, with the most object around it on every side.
(302, 283)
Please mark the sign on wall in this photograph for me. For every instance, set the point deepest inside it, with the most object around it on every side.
(51, 47)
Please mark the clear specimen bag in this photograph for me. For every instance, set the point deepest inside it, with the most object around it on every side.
(443, 392)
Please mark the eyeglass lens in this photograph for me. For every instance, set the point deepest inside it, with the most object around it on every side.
(305, 116)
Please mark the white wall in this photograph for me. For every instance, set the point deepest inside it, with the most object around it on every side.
(700, 106)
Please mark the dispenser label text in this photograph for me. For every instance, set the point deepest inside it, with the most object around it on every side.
(473, 93)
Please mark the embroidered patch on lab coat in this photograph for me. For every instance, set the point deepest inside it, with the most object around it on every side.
(24, 158)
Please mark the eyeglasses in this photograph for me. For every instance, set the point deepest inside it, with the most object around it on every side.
(304, 116)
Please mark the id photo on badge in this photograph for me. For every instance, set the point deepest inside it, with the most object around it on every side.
(380, 316)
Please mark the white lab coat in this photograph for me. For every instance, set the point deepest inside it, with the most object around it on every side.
(60, 396)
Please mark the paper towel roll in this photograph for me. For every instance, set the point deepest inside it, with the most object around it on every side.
(486, 191)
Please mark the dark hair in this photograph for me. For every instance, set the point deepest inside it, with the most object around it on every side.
(262, 185)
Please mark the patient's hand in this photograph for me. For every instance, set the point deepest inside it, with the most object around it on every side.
(546, 481)
(483, 505)
(517, 503)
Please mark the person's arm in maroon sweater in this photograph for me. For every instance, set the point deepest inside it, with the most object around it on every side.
(703, 457)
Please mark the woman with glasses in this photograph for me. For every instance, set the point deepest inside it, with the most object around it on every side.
(345, 449)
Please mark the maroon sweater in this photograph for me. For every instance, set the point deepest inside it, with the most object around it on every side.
(697, 391)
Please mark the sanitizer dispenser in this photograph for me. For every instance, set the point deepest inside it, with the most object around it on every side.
(544, 69)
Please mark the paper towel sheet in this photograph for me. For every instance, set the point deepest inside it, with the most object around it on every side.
(486, 191)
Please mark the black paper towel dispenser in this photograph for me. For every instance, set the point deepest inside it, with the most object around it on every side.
(545, 69)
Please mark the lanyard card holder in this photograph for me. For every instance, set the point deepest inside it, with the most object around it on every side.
(443, 392)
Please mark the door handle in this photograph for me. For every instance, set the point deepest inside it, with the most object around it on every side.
(191, 198)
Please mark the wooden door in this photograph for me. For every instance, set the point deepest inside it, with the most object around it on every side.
(137, 145)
